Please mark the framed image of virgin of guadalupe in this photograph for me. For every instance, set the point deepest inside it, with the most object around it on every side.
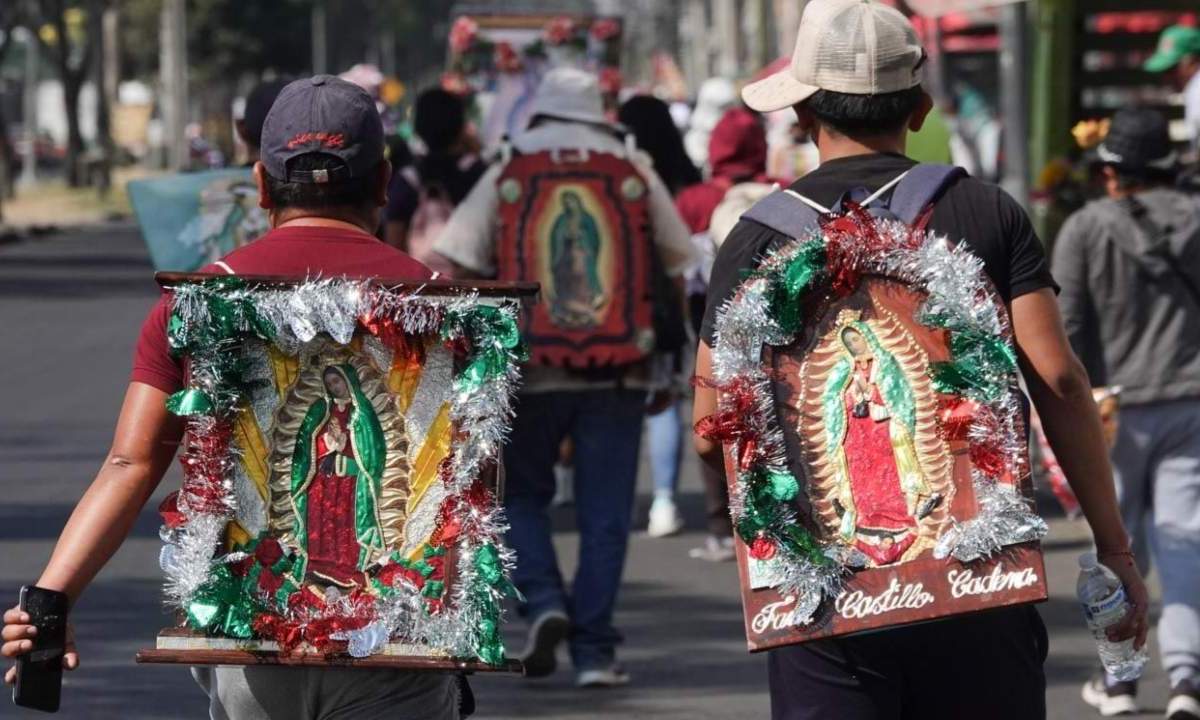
(339, 503)
(874, 434)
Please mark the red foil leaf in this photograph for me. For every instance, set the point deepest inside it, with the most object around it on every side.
(955, 414)
(988, 459)
(172, 516)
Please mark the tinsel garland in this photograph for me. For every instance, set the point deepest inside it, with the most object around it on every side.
(252, 592)
(979, 386)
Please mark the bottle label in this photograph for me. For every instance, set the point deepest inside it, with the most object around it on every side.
(1106, 611)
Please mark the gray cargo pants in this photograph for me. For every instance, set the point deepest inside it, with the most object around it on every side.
(283, 693)
(1156, 461)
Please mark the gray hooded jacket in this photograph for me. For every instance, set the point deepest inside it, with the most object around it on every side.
(1129, 311)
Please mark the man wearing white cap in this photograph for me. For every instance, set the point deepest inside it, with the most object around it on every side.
(572, 206)
(855, 84)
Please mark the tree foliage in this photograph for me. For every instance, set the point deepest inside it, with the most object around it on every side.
(226, 38)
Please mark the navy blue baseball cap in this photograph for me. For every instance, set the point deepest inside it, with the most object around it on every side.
(327, 115)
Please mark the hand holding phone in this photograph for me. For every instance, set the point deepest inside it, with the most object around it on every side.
(40, 648)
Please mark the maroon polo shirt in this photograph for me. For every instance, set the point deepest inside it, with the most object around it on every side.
(327, 252)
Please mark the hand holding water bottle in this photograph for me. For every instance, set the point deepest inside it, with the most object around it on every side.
(1115, 610)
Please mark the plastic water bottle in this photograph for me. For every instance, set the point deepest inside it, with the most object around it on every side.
(1102, 596)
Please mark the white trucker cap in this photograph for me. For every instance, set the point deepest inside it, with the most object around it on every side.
(858, 47)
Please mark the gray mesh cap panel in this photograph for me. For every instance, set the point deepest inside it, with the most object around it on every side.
(858, 47)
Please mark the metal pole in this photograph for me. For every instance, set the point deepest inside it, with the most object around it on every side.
(30, 120)
(1014, 97)
(320, 45)
(173, 78)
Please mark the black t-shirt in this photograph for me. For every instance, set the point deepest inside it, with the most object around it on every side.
(980, 214)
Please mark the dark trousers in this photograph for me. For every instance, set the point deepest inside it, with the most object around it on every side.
(606, 426)
(985, 666)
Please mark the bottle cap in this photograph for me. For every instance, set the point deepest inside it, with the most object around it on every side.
(1088, 561)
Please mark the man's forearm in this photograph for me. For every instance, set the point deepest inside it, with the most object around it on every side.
(97, 527)
(144, 444)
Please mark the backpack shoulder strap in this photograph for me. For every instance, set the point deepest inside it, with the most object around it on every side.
(919, 188)
(785, 213)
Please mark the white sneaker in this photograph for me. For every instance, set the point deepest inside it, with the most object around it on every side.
(1110, 700)
(664, 518)
(608, 677)
(564, 485)
(714, 549)
(1184, 703)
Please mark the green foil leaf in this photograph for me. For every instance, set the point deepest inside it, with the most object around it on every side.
(191, 401)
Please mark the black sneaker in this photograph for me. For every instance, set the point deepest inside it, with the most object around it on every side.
(1110, 700)
(1184, 703)
(547, 631)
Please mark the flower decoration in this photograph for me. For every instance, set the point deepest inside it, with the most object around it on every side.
(559, 31)
(610, 81)
(506, 58)
(605, 29)
(463, 35)
(1090, 133)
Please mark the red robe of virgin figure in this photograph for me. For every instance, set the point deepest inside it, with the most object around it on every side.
(332, 546)
(884, 530)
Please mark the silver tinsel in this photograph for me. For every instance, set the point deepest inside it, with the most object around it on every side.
(187, 556)
(1005, 518)
(960, 297)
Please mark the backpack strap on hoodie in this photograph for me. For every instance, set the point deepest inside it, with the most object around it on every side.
(919, 189)
(786, 212)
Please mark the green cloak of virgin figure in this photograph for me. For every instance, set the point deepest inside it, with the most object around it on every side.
(335, 484)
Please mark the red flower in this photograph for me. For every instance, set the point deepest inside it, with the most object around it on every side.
(269, 582)
(390, 574)
(463, 34)
(559, 30)
(506, 59)
(455, 83)
(762, 548)
(606, 29)
(268, 552)
(610, 81)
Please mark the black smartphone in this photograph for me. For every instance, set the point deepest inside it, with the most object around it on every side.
(39, 672)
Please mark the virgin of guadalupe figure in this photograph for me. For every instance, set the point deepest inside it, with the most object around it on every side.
(574, 259)
(335, 481)
(870, 421)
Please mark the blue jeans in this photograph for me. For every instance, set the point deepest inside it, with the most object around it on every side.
(665, 435)
(1156, 464)
(606, 426)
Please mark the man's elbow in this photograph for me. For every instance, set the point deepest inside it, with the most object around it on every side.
(709, 451)
(1069, 382)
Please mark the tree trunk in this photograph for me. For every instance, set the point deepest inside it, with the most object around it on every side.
(71, 88)
(72, 80)
(96, 11)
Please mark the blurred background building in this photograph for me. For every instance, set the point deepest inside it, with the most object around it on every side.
(88, 85)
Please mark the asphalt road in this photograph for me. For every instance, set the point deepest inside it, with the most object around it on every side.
(70, 308)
